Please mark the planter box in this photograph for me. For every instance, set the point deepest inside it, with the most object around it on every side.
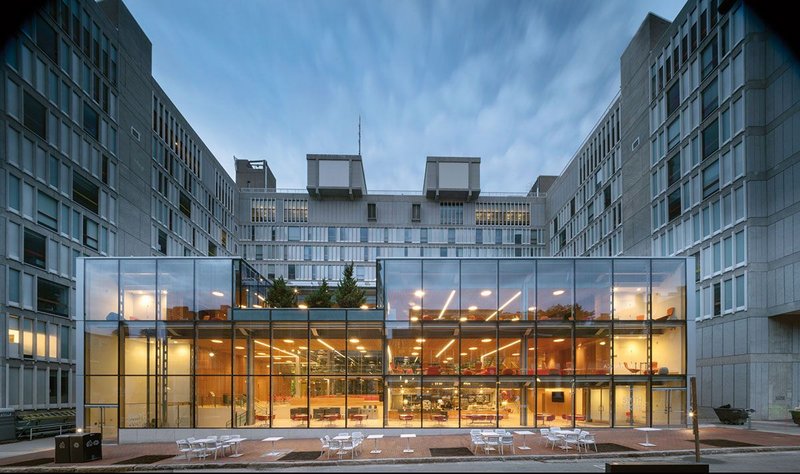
(795, 416)
(731, 416)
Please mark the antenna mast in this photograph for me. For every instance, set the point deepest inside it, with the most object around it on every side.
(359, 134)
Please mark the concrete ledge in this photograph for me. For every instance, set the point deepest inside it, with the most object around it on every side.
(387, 461)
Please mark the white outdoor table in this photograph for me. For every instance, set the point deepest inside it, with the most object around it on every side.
(490, 434)
(524, 439)
(647, 435)
(341, 437)
(376, 437)
(273, 439)
(235, 442)
(408, 442)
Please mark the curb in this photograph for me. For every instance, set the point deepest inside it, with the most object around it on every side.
(255, 465)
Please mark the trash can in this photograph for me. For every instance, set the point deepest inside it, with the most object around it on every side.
(63, 443)
(85, 447)
(8, 427)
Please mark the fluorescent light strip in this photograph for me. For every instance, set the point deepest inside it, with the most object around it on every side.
(504, 305)
(500, 349)
(446, 303)
(445, 348)
(277, 349)
(330, 347)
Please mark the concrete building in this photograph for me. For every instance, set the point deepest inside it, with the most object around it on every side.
(96, 161)
(307, 236)
(706, 164)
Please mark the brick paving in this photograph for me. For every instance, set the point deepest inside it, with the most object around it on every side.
(392, 446)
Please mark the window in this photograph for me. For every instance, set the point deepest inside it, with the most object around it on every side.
(710, 139)
(294, 234)
(35, 252)
(91, 236)
(740, 296)
(53, 172)
(35, 116)
(212, 249)
(162, 242)
(710, 180)
(708, 58)
(13, 192)
(673, 169)
(46, 39)
(372, 212)
(726, 125)
(423, 236)
(451, 236)
(674, 133)
(332, 231)
(673, 98)
(91, 122)
(13, 285)
(451, 213)
(47, 212)
(710, 98)
(52, 298)
(717, 300)
(85, 193)
(186, 205)
(607, 197)
(13, 338)
(674, 204)
(724, 37)
(416, 212)
(739, 247)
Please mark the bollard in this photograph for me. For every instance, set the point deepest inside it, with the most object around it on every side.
(750, 412)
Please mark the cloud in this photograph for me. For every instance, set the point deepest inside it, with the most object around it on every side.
(519, 84)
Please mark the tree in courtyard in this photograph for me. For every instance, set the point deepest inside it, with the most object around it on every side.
(322, 297)
(280, 295)
(348, 294)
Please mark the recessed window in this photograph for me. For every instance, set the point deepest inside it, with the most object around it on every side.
(35, 249)
(35, 116)
(674, 204)
(372, 211)
(52, 298)
(673, 169)
(85, 193)
(674, 133)
(711, 180)
(673, 98)
(416, 212)
(91, 122)
(710, 98)
(47, 210)
(46, 39)
(710, 139)
(91, 233)
(708, 58)
(162, 242)
(186, 205)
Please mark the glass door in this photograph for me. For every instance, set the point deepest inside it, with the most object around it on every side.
(669, 406)
(102, 419)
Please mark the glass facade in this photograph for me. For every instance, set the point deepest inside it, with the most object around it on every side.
(459, 343)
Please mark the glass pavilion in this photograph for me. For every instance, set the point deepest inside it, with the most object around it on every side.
(454, 343)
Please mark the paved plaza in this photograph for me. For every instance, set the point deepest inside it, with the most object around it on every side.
(620, 444)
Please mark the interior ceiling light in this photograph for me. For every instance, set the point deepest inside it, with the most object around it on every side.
(501, 308)
(216, 341)
(486, 340)
(217, 293)
(420, 340)
(289, 341)
(416, 307)
(558, 292)
(211, 354)
(417, 348)
(302, 306)
(486, 292)
(473, 348)
(419, 293)
(463, 354)
(302, 347)
(240, 348)
(415, 353)
(360, 348)
(558, 340)
(414, 319)
(445, 348)
(602, 343)
(446, 303)
(532, 308)
(462, 318)
(472, 308)
(354, 340)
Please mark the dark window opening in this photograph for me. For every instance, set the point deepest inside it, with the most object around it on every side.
(717, 300)
(212, 249)
(91, 233)
(372, 211)
(52, 298)
(674, 204)
(91, 123)
(186, 205)
(607, 197)
(673, 170)
(710, 98)
(35, 251)
(35, 116)
(711, 180)
(162, 242)
(46, 39)
(85, 193)
(708, 58)
(47, 212)
(416, 212)
(673, 98)
(710, 139)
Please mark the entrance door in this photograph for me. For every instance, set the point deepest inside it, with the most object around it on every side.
(669, 406)
(102, 419)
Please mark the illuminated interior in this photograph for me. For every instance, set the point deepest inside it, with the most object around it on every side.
(183, 343)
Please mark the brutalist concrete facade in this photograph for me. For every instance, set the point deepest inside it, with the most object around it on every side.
(710, 168)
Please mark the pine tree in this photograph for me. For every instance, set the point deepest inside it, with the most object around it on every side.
(280, 295)
(348, 294)
(322, 297)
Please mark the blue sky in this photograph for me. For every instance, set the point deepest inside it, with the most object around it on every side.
(519, 84)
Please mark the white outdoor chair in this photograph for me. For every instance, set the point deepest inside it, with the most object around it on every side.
(571, 439)
(491, 443)
(334, 446)
(507, 440)
(198, 449)
(553, 438)
(347, 446)
(477, 441)
(588, 439)
(214, 447)
(184, 447)
(543, 432)
(325, 445)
